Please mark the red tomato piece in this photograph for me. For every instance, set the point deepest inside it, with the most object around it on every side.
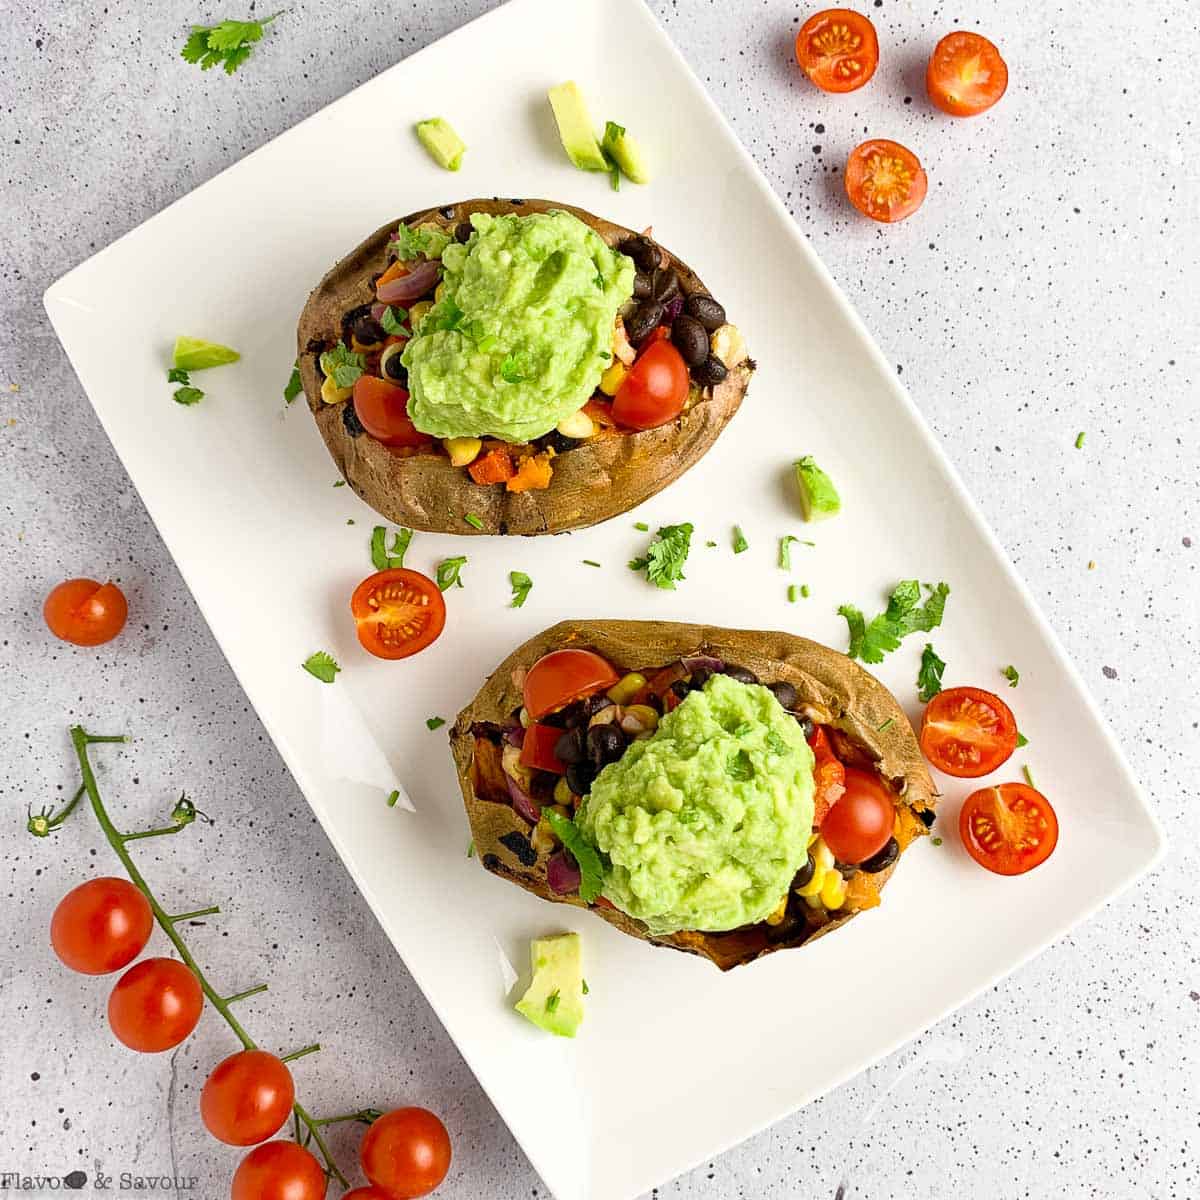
(966, 74)
(537, 750)
(859, 825)
(406, 1153)
(967, 732)
(279, 1171)
(829, 774)
(655, 390)
(85, 612)
(155, 1005)
(101, 926)
(382, 409)
(397, 612)
(1010, 829)
(247, 1098)
(838, 49)
(885, 181)
(561, 676)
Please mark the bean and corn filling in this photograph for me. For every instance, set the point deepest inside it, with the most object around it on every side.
(590, 733)
(373, 341)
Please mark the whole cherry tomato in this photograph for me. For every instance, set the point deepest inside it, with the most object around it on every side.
(247, 1098)
(101, 926)
(155, 1005)
(279, 1171)
(406, 1153)
(85, 612)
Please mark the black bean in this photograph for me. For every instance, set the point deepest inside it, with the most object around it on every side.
(681, 687)
(463, 232)
(395, 369)
(645, 254)
(570, 748)
(665, 285)
(351, 319)
(646, 318)
(520, 846)
(710, 372)
(741, 674)
(368, 330)
(643, 285)
(564, 718)
(700, 676)
(706, 310)
(491, 862)
(350, 422)
(806, 727)
(804, 875)
(558, 442)
(605, 744)
(882, 860)
(927, 815)
(580, 777)
(691, 339)
(785, 694)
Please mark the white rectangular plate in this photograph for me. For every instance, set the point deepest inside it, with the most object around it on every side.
(675, 1062)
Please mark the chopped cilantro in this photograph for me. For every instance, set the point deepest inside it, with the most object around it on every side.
(739, 766)
(591, 870)
(590, 562)
(393, 320)
(471, 848)
(228, 43)
(776, 743)
(937, 841)
(1028, 775)
(343, 366)
(321, 666)
(793, 593)
(1022, 740)
(886, 725)
(664, 559)
(177, 375)
(432, 723)
(785, 549)
(739, 540)
(514, 369)
(905, 614)
(410, 243)
(489, 343)
(711, 545)
(339, 483)
(804, 590)
(384, 559)
(552, 1001)
(188, 395)
(586, 989)
(474, 521)
(392, 798)
(1079, 441)
(521, 586)
(293, 387)
(641, 526)
(1012, 675)
(449, 572)
(929, 677)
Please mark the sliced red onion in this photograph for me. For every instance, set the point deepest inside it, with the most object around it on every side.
(377, 311)
(703, 662)
(412, 286)
(673, 309)
(514, 735)
(562, 874)
(521, 801)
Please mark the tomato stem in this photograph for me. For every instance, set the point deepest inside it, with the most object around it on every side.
(365, 1115)
(46, 820)
(81, 740)
(295, 1054)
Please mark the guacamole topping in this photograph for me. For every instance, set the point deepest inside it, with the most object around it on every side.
(522, 330)
(706, 822)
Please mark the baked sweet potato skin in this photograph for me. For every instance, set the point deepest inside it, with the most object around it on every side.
(592, 482)
(832, 689)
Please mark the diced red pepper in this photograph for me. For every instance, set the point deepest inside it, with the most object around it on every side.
(829, 774)
(538, 749)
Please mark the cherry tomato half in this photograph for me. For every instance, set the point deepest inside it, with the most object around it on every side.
(885, 181)
(247, 1098)
(155, 1005)
(537, 750)
(397, 612)
(279, 1171)
(967, 732)
(838, 49)
(830, 776)
(966, 74)
(1010, 829)
(85, 612)
(101, 926)
(860, 823)
(382, 409)
(406, 1153)
(561, 676)
(655, 390)
(369, 1192)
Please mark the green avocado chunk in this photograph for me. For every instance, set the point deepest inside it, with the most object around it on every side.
(575, 127)
(626, 153)
(445, 147)
(818, 496)
(554, 1001)
(195, 354)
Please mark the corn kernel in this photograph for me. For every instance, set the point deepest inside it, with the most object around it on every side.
(813, 886)
(608, 715)
(833, 890)
(776, 918)
(524, 718)
(611, 380)
(463, 450)
(360, 347)
(823, 857)
(543, 839)
(332, 394)
(418, 313)
(439, 294)
(562, 791)
(639, 718)
(627, 687)
(729, 346)
(578, 425)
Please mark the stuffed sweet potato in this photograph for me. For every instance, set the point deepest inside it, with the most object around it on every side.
(723, 792)
(505, 389)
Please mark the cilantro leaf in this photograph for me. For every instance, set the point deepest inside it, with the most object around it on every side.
(858, 628)
(474, 520)
(393, 319)
(178, 375)
(188, 395)
(322, 666)
(432, 723)
(1022, 740)
(196, 47)
(929, 678)
(785, 549)
(521, 587)
(449, 572)
(739, 766)
(424, 240)
(293, 387)
(591, 870)
(664, 559)
(343, 365)
(1012, 675)
(739, 540)
(383, 559)
(776, 743)
(228, 43)
(905, 614)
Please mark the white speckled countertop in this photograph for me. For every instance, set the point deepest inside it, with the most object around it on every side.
(1050, 285)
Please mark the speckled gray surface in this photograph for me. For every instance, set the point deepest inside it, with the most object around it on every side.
(1051, 285)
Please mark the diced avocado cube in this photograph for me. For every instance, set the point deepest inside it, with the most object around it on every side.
(554, 1001)
(818, 496)
(195, 354)
(575, 127)
(445, 147)
(626, 153)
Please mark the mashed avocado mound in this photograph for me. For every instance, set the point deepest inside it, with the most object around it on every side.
(706, 822)
(522, 330)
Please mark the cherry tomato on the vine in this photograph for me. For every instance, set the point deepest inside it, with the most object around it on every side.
(279, 1171)
(101, 926)
(247, 1098)
(406, 1153)
(155, 1005)
(85, 612)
